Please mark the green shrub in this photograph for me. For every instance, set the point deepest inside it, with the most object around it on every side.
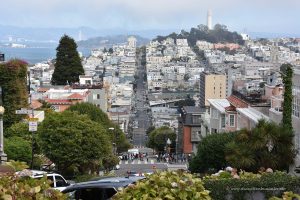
(287, 196)
(13, 187)
(211, 153)
(169, 185)
(270, 184)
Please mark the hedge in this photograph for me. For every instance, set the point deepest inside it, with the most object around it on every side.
(268, 184)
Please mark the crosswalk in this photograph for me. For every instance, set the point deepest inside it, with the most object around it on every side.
(134, 162)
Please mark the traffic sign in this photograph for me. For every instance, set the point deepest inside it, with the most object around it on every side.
(23, 111)
(33, 119)
(33, 126)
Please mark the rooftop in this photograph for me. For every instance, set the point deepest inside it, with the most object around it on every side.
(219, 104)
(237, 102)
(252, 114)
(193, 109)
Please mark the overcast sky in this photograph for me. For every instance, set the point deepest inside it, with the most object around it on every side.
(277, 16)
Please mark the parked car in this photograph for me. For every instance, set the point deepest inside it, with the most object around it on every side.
(58, 182)
(101, 189)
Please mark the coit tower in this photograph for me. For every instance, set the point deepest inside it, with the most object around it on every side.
(209, 20)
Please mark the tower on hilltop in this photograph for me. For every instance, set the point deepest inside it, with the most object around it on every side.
(209, 20)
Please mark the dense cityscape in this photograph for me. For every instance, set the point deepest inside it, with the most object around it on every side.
(207, 113)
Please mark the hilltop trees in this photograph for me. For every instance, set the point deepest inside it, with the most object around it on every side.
(220, 33)
(68, 65)
(14, 88)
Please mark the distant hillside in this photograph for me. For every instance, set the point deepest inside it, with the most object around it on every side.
(108, 41)
(220, 33)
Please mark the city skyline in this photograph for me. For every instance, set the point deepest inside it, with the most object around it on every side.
(255, 16)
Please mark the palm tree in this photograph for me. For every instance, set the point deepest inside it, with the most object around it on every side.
(266, 145)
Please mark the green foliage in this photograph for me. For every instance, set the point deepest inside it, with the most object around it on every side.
(13, 187)
(288, 96)
(270, 184)
(187, 102)
(249, 150)
(166, 185)
(19, 129)
(17, 165)
(199, 53)
(110, 161)
(287, 196)
(14, 87)
(21, 132)
(18, 149)
(97, 115)
(71, 139)
(150, 129)
(158, 138)
(68, 65)
(211, 153)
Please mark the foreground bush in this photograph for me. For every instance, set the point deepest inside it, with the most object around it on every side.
(241, 186)
(287, 196)
(166, 185)
(13, 187)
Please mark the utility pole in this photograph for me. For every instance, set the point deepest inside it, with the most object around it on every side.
(32, 121)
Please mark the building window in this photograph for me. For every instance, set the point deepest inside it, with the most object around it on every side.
(214, 113)
(223, 121)
(231, 120)
(98, 96)
(196, 119)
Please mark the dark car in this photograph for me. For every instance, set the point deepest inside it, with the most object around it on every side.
(99, 189)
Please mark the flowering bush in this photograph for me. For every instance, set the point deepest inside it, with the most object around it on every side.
(287, 196)
(14, 187)
(169, 185)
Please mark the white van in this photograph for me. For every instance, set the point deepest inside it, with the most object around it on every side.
(133, 151)
(58, 182)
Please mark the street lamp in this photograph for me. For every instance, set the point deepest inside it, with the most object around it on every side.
(168, 144)
(3, 156)
(114, 140)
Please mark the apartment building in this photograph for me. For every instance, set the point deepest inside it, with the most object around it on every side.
(212, 86)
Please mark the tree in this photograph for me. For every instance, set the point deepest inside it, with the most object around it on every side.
(18, 149)
(267, 145)
(187, 102)
(220, 33)
(211, 153)
(158, 138)
(97, 115)
(69, 139)
(14, 87)
(150, 129)
(110, 50)
(186, 77)
(68, 65)
(288, 96)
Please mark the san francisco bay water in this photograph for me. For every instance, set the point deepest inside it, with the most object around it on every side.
(34, 55)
